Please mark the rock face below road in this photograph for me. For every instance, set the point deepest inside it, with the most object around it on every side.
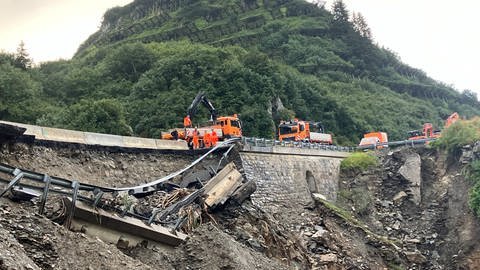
(419, 199)
(411, 171)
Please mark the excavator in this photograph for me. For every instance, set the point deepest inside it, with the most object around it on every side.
(428, 130)
(225, 126)
(298, 130)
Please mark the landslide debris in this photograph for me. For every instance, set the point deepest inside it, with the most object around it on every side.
(32, 241)
(419, 197)
(408, 212)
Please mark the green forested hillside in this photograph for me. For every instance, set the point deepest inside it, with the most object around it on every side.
(265, 60)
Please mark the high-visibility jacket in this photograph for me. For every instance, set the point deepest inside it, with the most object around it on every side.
(213, 137)
(207, 139)
(186, 121)
(195, 141)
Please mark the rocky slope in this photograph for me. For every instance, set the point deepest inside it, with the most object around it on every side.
(418, 198)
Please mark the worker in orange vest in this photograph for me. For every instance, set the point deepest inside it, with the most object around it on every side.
(187, 122)
(195, 139)
(213, 137)
(207, 140)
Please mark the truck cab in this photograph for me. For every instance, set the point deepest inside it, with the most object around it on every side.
(230, 125)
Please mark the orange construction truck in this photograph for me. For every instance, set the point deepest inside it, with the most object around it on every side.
(297, 130)
(377, 139)
(224, 126)
(429, 132)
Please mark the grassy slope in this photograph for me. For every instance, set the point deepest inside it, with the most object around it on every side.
(368, 83)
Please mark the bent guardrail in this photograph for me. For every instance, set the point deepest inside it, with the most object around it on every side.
(91, 194)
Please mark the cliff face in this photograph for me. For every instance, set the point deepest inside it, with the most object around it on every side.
(419, 199)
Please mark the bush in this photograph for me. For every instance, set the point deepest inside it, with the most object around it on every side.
(473, 174)
(459, 134)
(359, 161)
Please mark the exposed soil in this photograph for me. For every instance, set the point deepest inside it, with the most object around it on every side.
(410, 212)
(107, 166)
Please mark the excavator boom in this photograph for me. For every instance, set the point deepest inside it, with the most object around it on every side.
(202, 98)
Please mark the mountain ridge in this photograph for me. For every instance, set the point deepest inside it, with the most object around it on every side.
(139, 72)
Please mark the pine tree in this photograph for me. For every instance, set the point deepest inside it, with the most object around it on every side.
(340, 12)
(22, 59)
(361, 26)
(340, 24)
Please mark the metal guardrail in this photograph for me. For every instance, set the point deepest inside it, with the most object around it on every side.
(411, 143)
(262, 142)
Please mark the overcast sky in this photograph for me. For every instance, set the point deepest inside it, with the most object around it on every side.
(438, 36)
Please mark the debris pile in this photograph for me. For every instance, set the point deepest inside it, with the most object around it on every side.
(418, 200)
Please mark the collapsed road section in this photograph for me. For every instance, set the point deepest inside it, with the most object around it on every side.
(158, 213)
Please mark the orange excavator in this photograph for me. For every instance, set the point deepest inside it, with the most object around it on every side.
(428, 130)
(297, 130)
(224, 126)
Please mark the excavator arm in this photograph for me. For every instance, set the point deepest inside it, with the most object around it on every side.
(202, 98)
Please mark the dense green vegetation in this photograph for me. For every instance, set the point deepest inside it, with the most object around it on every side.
(474, 176)
(359, 161)
(459, 134)
(262, 59)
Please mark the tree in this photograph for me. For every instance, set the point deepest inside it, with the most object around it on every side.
(7, 58)
(22, 59)
(340, 12)
(16, 89)
(469, 97)
(361, 26)
(103, 116)
(319, 3)
(340, 23)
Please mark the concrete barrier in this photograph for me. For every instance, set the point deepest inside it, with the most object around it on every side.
(137, 142)
(73, 136)
(62, 135)
(103, 139)
(167, 144)
(31, 130)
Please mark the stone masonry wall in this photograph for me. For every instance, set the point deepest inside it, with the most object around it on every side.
(283, 180)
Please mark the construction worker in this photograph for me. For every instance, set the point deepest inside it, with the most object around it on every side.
(207, 140)
(213, 137)
(187, 122)
(195, 139)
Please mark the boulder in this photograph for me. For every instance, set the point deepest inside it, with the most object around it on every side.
(328, 258)
(399, 196)
(411, 172)
(415, 257)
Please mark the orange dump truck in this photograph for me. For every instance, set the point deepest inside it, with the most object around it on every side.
(297, 130)
(376, 139)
